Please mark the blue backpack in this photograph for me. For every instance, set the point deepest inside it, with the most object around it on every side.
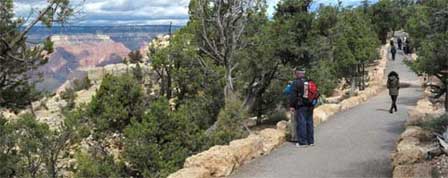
(288, 89)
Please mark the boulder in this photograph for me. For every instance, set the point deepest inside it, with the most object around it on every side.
(196, 172)
(408, 152)
(282, 125)
(247, 149)
(218, 160)
(272, 138)
(85, 96)
(421, 170)
(416, 132)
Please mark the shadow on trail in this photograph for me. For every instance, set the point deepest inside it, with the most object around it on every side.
(395, 128)
(383, 110)
(364, 169)
(407, 101)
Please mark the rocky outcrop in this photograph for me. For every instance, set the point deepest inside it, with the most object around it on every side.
(73, 53)
(161, 41)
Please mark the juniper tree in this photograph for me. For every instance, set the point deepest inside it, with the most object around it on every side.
(17, 57)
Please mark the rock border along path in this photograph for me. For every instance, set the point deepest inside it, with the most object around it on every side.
(409, 159)
(353, 143)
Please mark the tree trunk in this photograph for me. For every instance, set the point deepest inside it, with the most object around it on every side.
(168, 85)
(229, 89)
(353, 86)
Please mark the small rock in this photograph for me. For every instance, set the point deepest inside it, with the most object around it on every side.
(282, 125)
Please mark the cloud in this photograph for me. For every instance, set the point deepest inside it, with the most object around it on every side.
(110, 12)
(133, 12)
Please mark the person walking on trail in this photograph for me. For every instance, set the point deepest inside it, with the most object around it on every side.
(393, 51)
(400, 43)
(302, 100)
(393, 84)
(407, 43)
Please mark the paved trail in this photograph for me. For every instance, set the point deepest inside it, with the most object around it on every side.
(354, 143)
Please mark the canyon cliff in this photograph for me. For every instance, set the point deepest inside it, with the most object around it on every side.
(73, 53)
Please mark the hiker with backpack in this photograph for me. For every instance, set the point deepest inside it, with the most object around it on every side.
(393, 84)
(302, 100)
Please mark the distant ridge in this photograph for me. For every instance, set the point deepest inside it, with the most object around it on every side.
(133, 37)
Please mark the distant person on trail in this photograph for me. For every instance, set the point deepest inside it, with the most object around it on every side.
(400, 43)
(393, 51)
(393, 84)
(407, 44)
(302, 100)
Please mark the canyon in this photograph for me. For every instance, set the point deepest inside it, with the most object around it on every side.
(78, 48)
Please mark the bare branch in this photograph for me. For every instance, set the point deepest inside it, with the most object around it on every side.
(31, 25)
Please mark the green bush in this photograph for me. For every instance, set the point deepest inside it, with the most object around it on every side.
(137, 72)
(159, 144)
(229, 125)
(438, 124)
(31, 149)
(201, 111)
(69, 95)
(324, 75)
(82, 84)
(118, 100)
(92, 166)
(8, 156)
(412, 66)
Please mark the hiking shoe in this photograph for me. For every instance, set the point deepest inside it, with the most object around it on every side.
(300, 146)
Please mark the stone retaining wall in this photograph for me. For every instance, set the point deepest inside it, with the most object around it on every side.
(222, 160)
(412, 149)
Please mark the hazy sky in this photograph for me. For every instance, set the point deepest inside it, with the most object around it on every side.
(135, 12)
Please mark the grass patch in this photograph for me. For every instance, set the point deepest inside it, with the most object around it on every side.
(436, 124)
(411, 65)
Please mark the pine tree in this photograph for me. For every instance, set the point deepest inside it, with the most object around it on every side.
(17, 58)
